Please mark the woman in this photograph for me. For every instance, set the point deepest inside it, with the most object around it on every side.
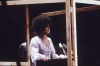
(41, 46)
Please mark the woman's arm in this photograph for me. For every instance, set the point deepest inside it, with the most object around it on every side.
(54, 55)
(34, 51)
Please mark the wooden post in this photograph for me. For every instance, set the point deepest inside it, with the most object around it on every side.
(68, 31)
(73, 46)
(89, 8)
(74, 41)
(27, 36)
(54, 13)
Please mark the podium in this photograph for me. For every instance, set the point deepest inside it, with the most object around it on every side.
(52, 62)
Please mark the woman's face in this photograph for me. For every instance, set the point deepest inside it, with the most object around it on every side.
(46, 30)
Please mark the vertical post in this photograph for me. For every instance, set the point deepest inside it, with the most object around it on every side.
(68, 31)
(74, 39)
(72, 17)
(27, 35)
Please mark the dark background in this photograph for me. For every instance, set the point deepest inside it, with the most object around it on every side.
(13, 30)
(88, 36)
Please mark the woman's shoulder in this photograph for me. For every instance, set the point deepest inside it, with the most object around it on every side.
(35, 38)
(49, 38)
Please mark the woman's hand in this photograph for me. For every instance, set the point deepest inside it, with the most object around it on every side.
(63, 56)
(45, 59)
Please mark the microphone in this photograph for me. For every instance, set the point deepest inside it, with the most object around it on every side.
(64, 46)
(60, 45)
